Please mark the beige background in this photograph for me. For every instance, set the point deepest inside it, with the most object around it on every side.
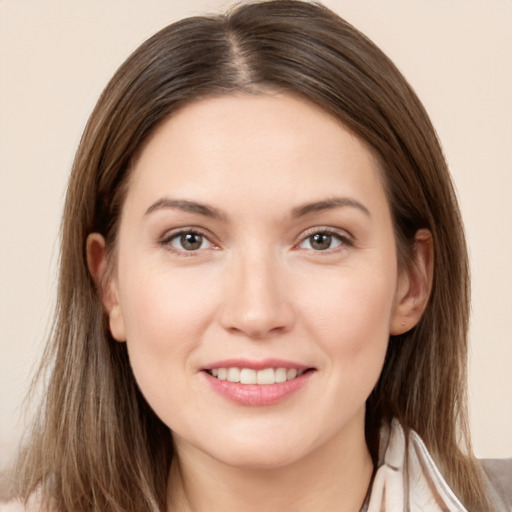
(55, 58)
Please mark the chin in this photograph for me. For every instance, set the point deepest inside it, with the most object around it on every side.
(259, 451)
(257, 459)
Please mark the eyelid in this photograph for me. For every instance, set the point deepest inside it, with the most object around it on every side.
(165, 240)
(168, 236)
(343, 235)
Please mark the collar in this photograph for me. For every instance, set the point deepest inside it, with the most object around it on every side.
(407, 478)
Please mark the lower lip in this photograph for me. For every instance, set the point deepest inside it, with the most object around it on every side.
(257, 394)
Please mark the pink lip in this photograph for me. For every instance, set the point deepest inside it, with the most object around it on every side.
(256, 394)
(256, 365)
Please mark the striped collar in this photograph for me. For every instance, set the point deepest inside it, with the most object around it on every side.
(407, 478)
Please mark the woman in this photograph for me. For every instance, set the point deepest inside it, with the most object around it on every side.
(262, 254)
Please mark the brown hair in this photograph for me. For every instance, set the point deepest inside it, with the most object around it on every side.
(97, 445)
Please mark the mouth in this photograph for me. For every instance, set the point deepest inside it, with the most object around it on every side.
(265, 376)
(250, 382)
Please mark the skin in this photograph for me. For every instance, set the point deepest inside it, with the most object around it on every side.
(258, 287)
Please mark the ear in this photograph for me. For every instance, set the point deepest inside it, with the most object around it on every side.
(106, 284)
(414, 285)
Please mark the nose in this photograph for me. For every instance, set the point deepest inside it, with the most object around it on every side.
(257, 300)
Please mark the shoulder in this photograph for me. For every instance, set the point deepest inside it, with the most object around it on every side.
(499, 474)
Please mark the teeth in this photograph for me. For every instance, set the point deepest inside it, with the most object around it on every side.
(250, 376)
(267, 376)
(291, 374)
(233, 375)
(281, 375)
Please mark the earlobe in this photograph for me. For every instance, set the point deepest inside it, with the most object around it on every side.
(105, 284)
(414, 285)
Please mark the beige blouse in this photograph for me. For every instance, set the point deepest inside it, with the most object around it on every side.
(407, 478)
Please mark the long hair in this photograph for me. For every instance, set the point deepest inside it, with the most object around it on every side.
(97, 445)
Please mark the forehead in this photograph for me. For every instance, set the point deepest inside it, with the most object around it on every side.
(271, 146)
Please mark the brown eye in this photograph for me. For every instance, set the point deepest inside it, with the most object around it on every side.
(189, 241)
(322, 241)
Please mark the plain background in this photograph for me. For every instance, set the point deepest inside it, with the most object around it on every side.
(57, 55)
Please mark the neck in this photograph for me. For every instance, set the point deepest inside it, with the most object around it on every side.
(334, 477)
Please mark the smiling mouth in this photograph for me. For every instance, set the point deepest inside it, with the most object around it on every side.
(265, 376)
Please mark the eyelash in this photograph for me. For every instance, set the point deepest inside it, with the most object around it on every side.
(167, 240)
(343, 239)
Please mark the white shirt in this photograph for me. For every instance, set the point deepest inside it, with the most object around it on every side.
(407, 479)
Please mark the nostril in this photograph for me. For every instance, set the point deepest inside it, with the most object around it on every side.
(255, 304)
(258, 325)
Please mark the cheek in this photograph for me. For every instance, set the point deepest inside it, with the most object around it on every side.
(166, 317)
(350, 305)
(160, 306)
(350, 319)
(355, 335)
(165, 314)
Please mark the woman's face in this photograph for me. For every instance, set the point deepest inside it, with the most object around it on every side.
(256, 244)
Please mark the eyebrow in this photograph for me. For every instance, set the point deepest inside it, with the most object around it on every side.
(186, 206)
(329, 204)
(299, 211)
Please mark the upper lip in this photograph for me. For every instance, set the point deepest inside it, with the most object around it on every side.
(256, 364)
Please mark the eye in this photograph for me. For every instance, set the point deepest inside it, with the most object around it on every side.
(323, 241)
(187, 241)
